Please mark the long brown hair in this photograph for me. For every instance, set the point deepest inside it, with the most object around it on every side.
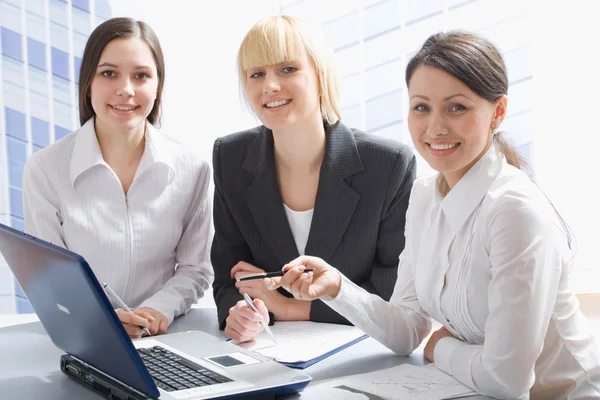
(476, 62)
(117, 28)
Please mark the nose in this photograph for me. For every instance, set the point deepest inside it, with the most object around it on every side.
(271, 83)
(125, 88)
(437, 125)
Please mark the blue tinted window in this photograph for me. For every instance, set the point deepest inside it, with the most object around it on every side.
(60, 132)
(76, 68)
(15, 124)
(103, 8)
(16, 202)
(23, 306)
(35, 149)
(11, 44)
(17, 223)
(81, 4)
(384, 110)
(19, 293)
(36, 52)
(40, 132)
(60, 63)
(15, 175)
(17, 150)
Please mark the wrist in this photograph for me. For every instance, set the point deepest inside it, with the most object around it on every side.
(335, 289)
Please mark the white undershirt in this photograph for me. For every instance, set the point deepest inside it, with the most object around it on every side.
(300, 225)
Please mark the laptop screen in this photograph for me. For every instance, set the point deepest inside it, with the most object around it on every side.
(73, 308)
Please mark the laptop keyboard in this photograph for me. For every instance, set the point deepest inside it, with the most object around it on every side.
(172, 372)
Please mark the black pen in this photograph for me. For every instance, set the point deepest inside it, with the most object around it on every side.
(267, 275)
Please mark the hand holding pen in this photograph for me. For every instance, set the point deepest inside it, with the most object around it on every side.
(127, 316)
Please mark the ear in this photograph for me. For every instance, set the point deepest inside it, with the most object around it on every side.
(501, 104)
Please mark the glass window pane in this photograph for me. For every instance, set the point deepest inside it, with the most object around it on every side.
(472, 16)
(59, 37)
(36, 27)
(16, 202)
(38, 81)
(58, 12)
(343, 31)
(16, 150)
(12, 71)
(79, 42)
(81, 4)
(10, 17)
(384, 110)
(521, 97)
(103, 8)
(384, 79)
(15, 124)
(98, 20)
(36, 6)
(81, 21)
(14, 96)
(519, 128)
(60, 63)
(393, 131)
(60, 132)
(346, 61)
(11, 44)
(36, 53)
(61, 90)
(76, 69)
(352, 117)
(62, 115)
(38, 105)
(519, 64)
(382, 17)
(35, 149)
(415, 35)
(511, 35)
(15, 175)
(350, 91)
(40, 132)
(419, 10)
(511, 9)
(383, 48)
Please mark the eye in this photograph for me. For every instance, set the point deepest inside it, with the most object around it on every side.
(421, 108)
(108, 74)
(142, 76)
(289, 70)
(257, 74)
(457, 108)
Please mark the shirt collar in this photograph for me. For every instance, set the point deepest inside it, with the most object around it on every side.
(87, 153)
(464, 197)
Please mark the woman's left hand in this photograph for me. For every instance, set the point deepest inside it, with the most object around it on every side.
(433, 339)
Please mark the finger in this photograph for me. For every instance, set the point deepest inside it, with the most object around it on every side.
(133, 331)
(262, 309)
(272, 283)
(240, 312)
(132, 318)
(305, 286)
(302, 260)
(163, 326)
(244, 268)
(290, 277)
(241, 332)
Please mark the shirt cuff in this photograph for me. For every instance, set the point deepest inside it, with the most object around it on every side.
(442, 353)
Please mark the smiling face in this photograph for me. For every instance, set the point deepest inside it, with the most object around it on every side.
(124, 86)
(285, 94)
(451, 126)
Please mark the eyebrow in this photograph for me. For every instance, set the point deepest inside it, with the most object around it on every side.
(107, 64)
(445, 99)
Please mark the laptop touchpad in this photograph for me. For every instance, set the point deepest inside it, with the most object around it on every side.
(232, 360)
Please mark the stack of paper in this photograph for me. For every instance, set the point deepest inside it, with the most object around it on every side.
(303, 343)
(406, 382)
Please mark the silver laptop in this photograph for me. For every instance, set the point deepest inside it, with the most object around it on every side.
(79, 319)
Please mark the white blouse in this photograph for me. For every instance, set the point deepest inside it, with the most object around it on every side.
(300, 222)
(502, 250)
(151, 245)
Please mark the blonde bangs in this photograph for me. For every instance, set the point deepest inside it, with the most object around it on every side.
(271, 41)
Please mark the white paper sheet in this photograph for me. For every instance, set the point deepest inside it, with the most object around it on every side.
(406, 382)
(299, 341)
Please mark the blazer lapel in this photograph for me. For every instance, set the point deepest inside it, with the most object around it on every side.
(336, 200)
(264, 199)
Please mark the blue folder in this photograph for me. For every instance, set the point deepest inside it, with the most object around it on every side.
(308, 363)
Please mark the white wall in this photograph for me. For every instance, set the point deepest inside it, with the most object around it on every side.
(567, 86)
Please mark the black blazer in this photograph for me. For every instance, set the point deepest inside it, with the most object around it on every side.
(358, 220)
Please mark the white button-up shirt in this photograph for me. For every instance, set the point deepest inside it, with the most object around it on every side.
(151, 245)
(503, 252)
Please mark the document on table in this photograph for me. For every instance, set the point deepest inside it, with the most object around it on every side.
(406, 382)
(303, 343)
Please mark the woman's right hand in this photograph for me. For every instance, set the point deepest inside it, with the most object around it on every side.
(243, 324)
(133, 322)
(323, 281)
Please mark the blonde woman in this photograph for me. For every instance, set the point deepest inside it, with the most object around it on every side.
(301, 183)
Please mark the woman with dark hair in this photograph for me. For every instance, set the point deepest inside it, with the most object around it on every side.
(128, 199)
(486, 255)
